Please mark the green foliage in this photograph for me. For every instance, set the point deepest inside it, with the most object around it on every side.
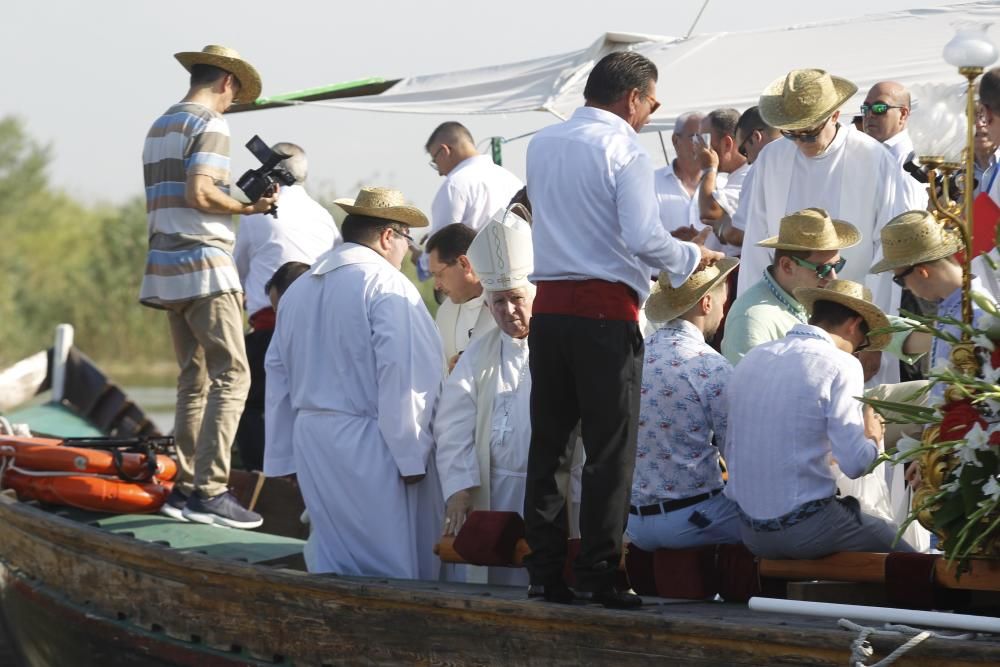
(63, 261)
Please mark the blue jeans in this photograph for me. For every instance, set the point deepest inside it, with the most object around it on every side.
(712, 521)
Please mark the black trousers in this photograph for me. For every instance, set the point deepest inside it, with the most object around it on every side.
(587, 371)
(249, 440)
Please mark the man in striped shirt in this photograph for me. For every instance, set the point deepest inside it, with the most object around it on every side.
(191, 274)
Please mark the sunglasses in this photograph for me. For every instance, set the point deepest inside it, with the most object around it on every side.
(742, 149)
(878, 108)
(409, 239)
(806, 136)
(900, 279)
(653, 104)
(822, 270)
(865, 344)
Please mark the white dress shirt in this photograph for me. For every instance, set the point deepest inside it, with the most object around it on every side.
(728, 186)
(472, 192)
(673, 198)
(595, 213)
(792, 402)
(303, 231)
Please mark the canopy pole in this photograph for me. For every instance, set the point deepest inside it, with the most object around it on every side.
(663, 144)
(696, 19)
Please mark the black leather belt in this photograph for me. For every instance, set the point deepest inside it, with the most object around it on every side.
(671, 505)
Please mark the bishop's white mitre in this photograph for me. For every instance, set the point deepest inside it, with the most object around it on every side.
(502, 254)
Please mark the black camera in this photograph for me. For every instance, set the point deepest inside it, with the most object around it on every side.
(266, 178)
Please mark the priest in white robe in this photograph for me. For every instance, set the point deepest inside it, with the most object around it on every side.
(353, 372)
(822, 164)
(483, 424)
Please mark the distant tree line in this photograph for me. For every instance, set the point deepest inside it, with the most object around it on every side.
(65, 261)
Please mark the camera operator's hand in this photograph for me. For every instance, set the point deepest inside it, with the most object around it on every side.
(262, 205)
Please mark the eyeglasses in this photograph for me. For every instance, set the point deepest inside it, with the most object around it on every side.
(822, 270)
(866, 343)
(654, 105)
(409, 239)
(900, 278)
(878, 108)
(434, 157)
(806, 136)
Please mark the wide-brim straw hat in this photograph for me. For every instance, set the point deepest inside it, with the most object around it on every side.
(803, 98)
(229, 60)
(811, 230)
(854, 296)
(384, 203)
(666, 303)
(915, 237)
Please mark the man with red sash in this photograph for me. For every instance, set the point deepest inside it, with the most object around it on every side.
(598, 240)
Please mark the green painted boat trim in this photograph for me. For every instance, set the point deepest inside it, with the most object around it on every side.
(216, 541)
(318, 90)
(54, 419)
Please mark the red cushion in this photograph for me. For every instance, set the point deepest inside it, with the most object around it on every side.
(489, 538)
(685, 573)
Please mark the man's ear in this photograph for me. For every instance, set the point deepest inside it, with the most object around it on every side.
(706, 303)
(728, 143)
(464, 262)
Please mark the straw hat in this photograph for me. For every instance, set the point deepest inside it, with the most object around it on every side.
(666, 303)
(812, 229)
(502, 254)
(229, 60)
(383, 203)
(915, 237)
(803, 98)
(856, 297)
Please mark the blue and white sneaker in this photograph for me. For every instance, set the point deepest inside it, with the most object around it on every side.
(221, 510)
(173, 506)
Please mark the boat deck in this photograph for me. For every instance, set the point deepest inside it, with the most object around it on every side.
(225, 595)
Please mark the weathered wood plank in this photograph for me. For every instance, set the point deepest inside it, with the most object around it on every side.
(315, 620)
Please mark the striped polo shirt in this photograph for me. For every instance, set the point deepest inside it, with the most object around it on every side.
(190, 251)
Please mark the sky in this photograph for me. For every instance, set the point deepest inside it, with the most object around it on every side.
(88, 78)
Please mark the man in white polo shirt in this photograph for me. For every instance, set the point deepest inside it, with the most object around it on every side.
(597, 238)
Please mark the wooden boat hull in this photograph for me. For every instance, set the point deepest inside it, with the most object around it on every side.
(131, 601)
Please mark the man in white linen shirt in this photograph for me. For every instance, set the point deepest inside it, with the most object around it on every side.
(723, 171)
(677, 183)
(482, 427)
(464, 313)
(752, 134)
(597, 239)
(353, 373)
(301, 232)
(821, 164)
(793, 405)
(474, 187)
(676, 501)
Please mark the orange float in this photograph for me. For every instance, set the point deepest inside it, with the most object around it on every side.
(47, 454)
(88, 492)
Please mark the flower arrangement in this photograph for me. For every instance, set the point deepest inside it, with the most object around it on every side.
(958, 454)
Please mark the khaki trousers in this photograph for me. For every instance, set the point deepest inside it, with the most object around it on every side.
(211, 388)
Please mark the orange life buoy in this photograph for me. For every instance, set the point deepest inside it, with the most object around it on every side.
(47, 454)
(97, 494)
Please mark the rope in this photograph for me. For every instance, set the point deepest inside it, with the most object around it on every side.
(861, 648)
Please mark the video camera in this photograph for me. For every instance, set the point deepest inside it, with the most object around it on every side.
(266, 178)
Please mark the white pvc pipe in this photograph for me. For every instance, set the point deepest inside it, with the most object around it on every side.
(60, 353)
(934, 619)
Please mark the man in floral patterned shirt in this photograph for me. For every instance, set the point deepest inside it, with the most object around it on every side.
(677, 499)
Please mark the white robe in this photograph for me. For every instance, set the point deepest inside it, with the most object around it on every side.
(353, 373)
(856, 179)
(460, 323)
(483, 420)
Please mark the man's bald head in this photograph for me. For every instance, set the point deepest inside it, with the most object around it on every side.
(895, 112)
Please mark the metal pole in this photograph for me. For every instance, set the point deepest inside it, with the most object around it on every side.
(696, 19)
(663, 144)
(970, 73)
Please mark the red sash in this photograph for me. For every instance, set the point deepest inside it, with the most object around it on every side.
(263, 319)
(593, 299)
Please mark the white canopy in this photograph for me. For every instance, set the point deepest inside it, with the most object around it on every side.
(704, 71)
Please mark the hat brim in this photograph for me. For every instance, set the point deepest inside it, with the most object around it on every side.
(774, 113)
(872, 314)
(250, 85)
(405, 215)
(847, 236)
(658, 307)
(946, 249)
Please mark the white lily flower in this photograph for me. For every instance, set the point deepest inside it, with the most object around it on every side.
(992, 488)
(977, 438)
(984, 342)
